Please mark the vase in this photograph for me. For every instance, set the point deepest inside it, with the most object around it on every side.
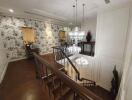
(89, 36)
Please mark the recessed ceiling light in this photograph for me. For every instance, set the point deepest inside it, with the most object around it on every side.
(107, 1)
(11, 10)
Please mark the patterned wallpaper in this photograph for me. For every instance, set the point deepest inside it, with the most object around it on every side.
(10, 33)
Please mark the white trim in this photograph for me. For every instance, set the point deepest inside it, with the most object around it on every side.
(45, 53)
(36, 18)
(105, 86)
(3, 73)
(12, 60)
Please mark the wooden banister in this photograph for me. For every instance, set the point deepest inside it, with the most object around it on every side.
(69, 61)
(85, 93)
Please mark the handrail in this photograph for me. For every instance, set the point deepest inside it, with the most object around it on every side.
(74, 67)
(87, 94)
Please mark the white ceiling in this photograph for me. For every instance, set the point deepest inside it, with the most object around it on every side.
(61, 10)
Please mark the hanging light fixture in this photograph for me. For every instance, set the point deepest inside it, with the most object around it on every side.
(83, 13)
(83, 16)
(76, 23)
(74, 15)
(76, 12)
(76, 34)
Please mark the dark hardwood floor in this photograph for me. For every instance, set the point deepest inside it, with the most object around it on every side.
(102, 93)
(20, 82)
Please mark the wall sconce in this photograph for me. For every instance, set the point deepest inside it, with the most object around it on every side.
(62, 35)
(48, 29)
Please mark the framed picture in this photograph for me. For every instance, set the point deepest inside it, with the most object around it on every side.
(62, 35)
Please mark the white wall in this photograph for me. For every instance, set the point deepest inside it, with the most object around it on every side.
(110, 42)
(3, 60)
(90, 24)
(112, 27)
(125, 91)
(111, 32)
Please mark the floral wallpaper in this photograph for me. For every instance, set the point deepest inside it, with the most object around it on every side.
(11, 35)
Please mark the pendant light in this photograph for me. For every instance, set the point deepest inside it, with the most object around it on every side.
(76, 33)
(83, 16)
(83, 13)
(74, 12)
(76, 23)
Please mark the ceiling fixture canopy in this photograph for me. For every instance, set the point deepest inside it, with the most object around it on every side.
(11, 10)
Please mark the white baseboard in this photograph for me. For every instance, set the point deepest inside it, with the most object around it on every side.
(46, 53)
(12, 60)
(105, 86)
(5, 68)
(3, 73)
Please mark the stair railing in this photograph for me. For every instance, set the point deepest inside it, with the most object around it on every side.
(62, 57)
(49, 70)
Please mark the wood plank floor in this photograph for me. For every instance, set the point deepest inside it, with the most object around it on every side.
(101, 92)
(20, 82)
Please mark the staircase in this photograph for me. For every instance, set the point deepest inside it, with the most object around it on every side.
(61, 84)
(62, 57)
(58, 90)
